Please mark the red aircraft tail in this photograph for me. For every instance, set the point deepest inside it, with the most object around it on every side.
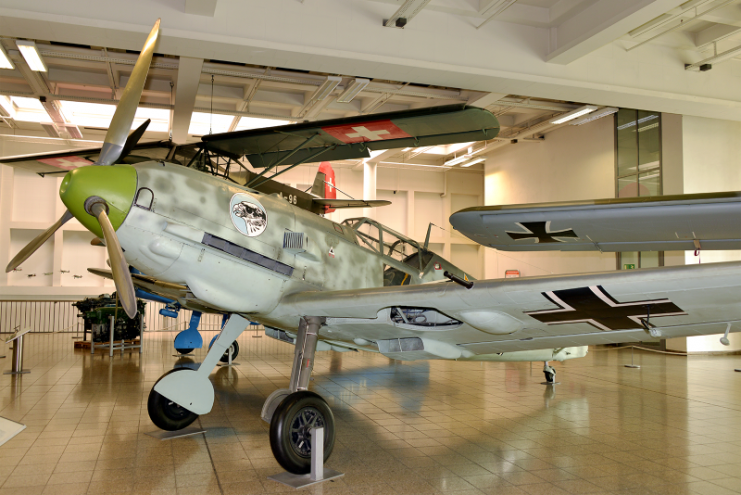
(324, 184)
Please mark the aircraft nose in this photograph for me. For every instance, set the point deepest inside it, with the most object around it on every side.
(115, 184)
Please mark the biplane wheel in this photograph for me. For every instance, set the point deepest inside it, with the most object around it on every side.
(225, 358)
(290, 430)
(550, 376)
(184, 351)
(166, 414)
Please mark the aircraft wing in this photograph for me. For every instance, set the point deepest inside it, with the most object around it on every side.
(354, 137)
(531, 313)
(61, 162)
(660, 223)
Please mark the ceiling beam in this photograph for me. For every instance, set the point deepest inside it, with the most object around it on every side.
(186, 89)
(601, 23)
(200, 7)
(715, 33)
(408, 10)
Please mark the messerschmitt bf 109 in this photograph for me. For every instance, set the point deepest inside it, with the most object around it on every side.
(242, 250)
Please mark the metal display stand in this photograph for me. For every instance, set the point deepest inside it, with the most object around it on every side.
(631, 365)
(318, 474)
(17, 339)
(171, 435)
(229, 362)
(122, 345)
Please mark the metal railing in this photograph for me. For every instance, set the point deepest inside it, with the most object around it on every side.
(61, 316)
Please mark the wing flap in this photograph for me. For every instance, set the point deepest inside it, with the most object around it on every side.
(663, 223)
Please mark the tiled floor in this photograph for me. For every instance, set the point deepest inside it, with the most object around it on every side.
(672, 427)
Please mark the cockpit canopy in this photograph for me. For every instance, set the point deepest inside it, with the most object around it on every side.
(408, 259)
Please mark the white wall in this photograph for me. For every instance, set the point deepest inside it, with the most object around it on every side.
(29, 204)
(572, 163)
(711, 153)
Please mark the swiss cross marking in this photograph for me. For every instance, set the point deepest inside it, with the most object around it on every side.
(66, 162)
(379, 130)
(595, 306)
(541, 232)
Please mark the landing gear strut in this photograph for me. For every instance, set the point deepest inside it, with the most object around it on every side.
(294, 412)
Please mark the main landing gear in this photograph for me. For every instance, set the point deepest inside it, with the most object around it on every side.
(181, 395)
(293, 412)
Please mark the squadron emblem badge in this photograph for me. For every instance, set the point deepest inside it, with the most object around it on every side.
(248, 215)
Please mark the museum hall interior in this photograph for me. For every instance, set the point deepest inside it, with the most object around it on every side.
(370, 247)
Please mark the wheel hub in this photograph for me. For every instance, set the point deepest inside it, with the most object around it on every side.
(301, 425)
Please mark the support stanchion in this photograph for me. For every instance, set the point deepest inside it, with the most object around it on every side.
(318, 474)
(229, 362)
(17, 365)
(631, 365)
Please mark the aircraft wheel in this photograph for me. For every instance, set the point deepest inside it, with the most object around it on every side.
(290, 430)
(166, 414)
(225, 358)
(550, 376)
(184, 351)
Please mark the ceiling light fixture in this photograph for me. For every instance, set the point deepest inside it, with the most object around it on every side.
(5, 62)
(326, 88)
(352, 90)
(473, 162)
(597, 114)
(457, 160)
(31, 55)
(574, 114)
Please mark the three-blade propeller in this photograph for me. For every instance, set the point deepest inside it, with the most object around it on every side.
(118, 143)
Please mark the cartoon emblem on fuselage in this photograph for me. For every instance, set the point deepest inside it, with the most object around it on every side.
(248, 216)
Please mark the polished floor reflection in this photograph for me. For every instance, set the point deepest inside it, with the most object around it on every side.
(671, 427)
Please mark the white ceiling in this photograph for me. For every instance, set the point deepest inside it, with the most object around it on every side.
(561, 52)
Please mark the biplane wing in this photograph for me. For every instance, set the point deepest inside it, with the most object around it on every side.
(354, 137)
(660, 223)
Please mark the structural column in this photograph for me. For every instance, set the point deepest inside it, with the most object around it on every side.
(369, 185)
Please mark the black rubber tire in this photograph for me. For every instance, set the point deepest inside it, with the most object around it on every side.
(184, 351)
(164, 413)
(225, 357)
(284, 437)
(550, 377)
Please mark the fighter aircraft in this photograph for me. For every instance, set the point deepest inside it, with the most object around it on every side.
(215, 245)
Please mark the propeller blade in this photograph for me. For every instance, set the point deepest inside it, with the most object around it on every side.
(133, 138)
(119, 267)
(35, 244)
(115, 138)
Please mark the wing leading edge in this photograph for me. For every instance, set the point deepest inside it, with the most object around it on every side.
(661, 223)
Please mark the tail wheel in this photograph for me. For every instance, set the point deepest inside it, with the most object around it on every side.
(290, 430)
(166, 414)
(234, 348)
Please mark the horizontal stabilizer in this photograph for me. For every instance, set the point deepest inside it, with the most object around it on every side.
(660, 223)
(351, 203)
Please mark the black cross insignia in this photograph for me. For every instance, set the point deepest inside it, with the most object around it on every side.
(595, 306)
(541, 232)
